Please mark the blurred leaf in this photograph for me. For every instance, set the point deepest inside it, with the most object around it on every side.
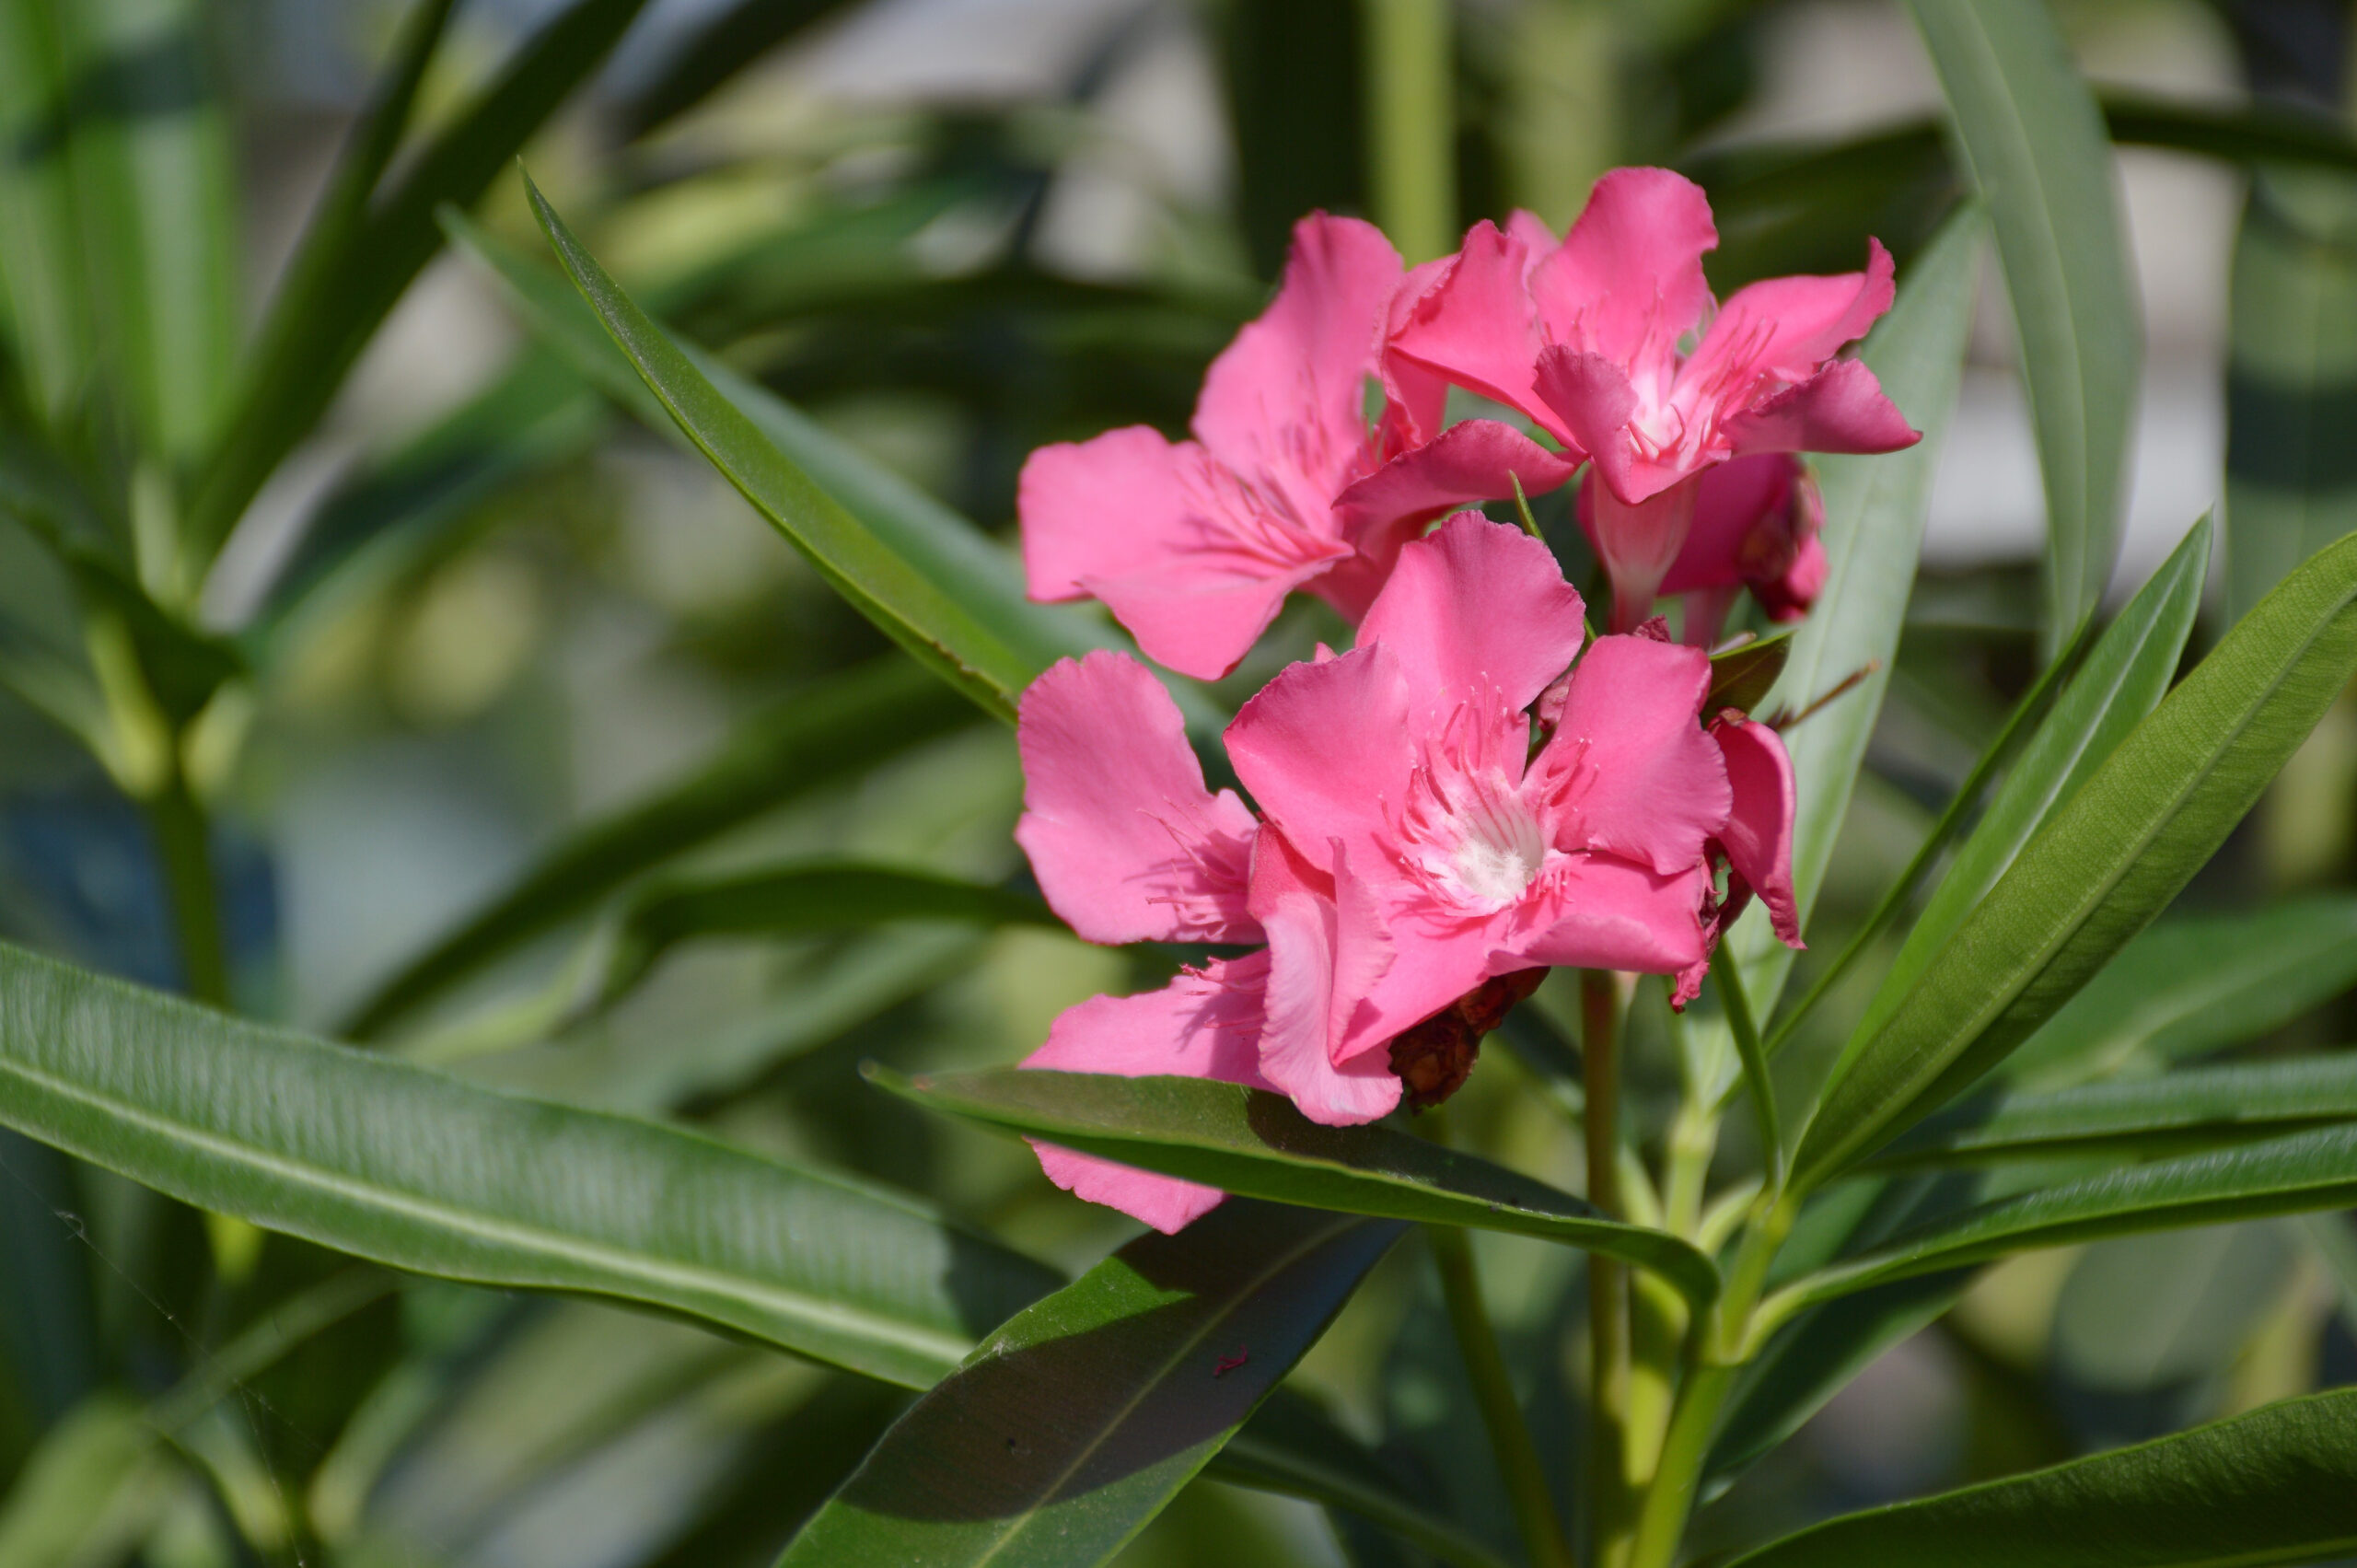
(307, 344)
(736, 36)
(48, 1326)
(1291, 1447)
(409, 1167)
(1255, 1143)
(1293, 73)
(89, 1493)
(2290, 1175)
(2260, 131)
(155, 190)
(833, 731)
(49, 310)
(798, 900)
(2142, 1312)
(2035, 145)
(2291, 365)
(2279, 1485)
(2194, 984)
(1741, 677)
(2200, 1108)
(2121, 681)
(2105, 865)
(1078, 1420)
(1875, 509)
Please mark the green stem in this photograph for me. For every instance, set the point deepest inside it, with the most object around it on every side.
(1485, 1368)
(1661, 1524)
(1412, 124)
(1895, 898)
(183, 843)
(1608, 1280)
(1728, 976)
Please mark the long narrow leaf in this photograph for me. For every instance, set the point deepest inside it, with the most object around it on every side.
(2278, 1485)
(1251, 1142)
(1076, 1422)
(409, 1167)
(50, 311)
(2035, 145)
(2105, 863)
(831, 733)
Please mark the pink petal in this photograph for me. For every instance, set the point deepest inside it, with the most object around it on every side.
(1731, 501)
(1477, 607)
(1603, 913)
(1127, 843)
(1633, 771)
(1628, 281)
(1477, 326)
(1841, 409)
(1789, 596)
(1285, 402)
(1184, 554)
(1637, 544)
(1590, 397)
(1759, 835)
(1324, 745)
(1436, 964)
(1785, 328)
(1316, 970)
(1415, 395)
(1199, 1026)
(1476, 459)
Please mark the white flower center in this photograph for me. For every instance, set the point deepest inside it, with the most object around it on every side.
(1500, 849)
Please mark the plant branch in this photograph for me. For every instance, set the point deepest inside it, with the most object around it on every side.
(1607, 1281)
(183, 845)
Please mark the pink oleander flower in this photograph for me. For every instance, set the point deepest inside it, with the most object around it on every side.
(1413, 850)
(1755, 522)
(1590, 340)
(1193, 545)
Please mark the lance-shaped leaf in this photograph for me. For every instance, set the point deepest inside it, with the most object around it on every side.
(797, 899)
(2200, 1108)
(1741, 676)
(409, 1167)
(1251, 1142)
(2034, 144)
(2123, 677)
(835, 730)
(2278, 1485)
(1875, 509)
(936, 615)
(1076, 1422)
(2105, 865)
(2193, 984)
(2289, 1174)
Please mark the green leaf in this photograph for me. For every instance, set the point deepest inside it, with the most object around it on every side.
(49, 308)
(2288, 1175)
(2034, 143)
(2200, 1108)
(1741, 676)
(1293, 1448)
(47, 1320)
(2194, 984)
(2103, 864)
(1078, 1420)
(2291, 355)
(834, 731)
(1255, 1143)
(407, 1166)
(89, 1491)
(800, 899)
(311, 340)
(1875, 509)
(927, 612)
(2122, 680)
(735, 38)
(2175, 1308)
(2278, 1485)
(155, 186)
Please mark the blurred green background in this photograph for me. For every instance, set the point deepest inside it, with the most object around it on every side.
(481, 640)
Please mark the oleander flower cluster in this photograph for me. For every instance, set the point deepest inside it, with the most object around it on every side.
(1481, 789)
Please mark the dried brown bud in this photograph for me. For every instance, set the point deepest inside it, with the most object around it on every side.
(1433, 1058)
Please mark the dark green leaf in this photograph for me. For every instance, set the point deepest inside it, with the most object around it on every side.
(2288, 1175)
(2122, 680)
(800, 899)
(933, 614)
(1255, 1143)
(2103, 864)
(49, 312)
(732, 39)
(833, 732)
(2278, 1485)
(2200, 1108)
(1077, 1422)
(307, 344)
(1741, 676)
(409, 1167)
(1875, 509)
(2034, 143)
